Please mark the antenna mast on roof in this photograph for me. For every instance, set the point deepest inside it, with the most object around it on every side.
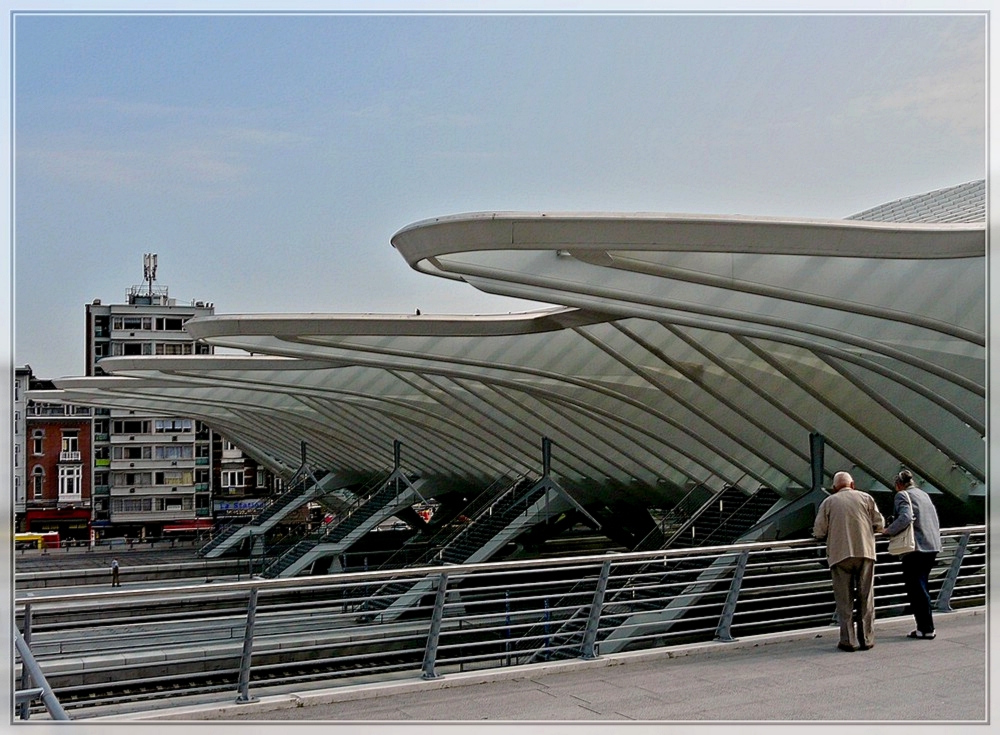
(149, 270)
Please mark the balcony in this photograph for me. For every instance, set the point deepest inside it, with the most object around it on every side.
(102, 462)
(102, 489)
(102, 437)
(200, 487)
(69, 456)
(201, 460)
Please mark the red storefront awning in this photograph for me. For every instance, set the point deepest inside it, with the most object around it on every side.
(197, 525)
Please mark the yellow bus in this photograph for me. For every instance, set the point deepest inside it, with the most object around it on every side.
(46, 540)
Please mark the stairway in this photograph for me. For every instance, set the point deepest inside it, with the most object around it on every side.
(514, 510)
(336, 538)
(720, 521)
(231, 535)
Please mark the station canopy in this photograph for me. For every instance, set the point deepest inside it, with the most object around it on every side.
(680, 351)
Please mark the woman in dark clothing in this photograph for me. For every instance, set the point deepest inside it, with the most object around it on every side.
(913, 505)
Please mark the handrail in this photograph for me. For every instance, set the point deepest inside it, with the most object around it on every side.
(489, 614)
(423, 571)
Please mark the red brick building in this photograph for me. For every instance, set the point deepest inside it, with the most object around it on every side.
(59, 460)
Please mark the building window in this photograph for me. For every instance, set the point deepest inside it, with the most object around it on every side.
(70, 450)
(37, 441)
(70, 482)
(130, 426)
(169, 324)
(132, 322)
(131, 505)
(173, 348)
(172, 477)
(37, 483)
(232, 478)
(175, 451)
(173, 426)
(17, 422)
(132, 452)
(70, 441)
(120, 479)
(17, 455)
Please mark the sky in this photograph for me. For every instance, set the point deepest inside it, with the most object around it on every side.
(268, 159)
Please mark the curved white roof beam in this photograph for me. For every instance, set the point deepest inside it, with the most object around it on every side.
(346, 340)
(228, 373)
(500, 363)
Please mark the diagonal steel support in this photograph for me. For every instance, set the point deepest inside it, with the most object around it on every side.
(397, 475)
(434, 634)
(722, 633)
(588, 650)
(243, 696)
(546, 482)
(943, 602)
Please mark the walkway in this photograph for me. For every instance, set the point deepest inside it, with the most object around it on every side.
(778, 678)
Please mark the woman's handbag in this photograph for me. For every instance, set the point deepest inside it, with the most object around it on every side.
(904, 542)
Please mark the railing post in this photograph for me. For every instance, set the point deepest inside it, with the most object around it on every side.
(722, 633)
(588, 650)
(243, 695)
(434, 634)
(55, 710)
(943, 602)
(25, 674)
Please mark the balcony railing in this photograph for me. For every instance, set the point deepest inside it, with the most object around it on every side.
(69, 456)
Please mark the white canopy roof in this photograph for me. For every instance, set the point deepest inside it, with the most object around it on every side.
(684, 350)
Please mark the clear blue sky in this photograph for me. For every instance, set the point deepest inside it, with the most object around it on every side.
(268, 159)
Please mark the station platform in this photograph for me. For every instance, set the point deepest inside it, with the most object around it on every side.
(755, 682)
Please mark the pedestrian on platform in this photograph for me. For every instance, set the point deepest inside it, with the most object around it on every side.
(114, 574)
(914, 506)
(848, 520)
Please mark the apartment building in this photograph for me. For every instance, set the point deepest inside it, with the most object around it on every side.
(152, 474)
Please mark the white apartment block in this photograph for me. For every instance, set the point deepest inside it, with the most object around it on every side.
(151, 472)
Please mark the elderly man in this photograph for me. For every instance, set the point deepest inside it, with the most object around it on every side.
(848, 520)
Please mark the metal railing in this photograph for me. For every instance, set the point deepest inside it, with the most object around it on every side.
(231, 638)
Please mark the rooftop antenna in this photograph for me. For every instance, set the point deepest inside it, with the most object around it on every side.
(149, 270)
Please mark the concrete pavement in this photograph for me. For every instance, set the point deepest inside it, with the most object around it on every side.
(795, 677)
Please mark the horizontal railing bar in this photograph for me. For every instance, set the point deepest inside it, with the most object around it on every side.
(353, 579)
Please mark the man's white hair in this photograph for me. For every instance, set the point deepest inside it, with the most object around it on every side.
(842, 480)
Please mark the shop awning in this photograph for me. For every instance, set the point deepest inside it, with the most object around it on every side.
(196, 525)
